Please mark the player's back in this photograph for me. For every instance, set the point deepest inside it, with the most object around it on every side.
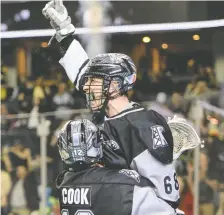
(100, 191)
(96, 191)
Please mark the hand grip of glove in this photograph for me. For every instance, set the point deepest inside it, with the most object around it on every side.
(59, 19)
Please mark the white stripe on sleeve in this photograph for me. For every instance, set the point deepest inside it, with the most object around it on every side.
(73, 59)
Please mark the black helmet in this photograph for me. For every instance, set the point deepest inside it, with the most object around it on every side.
(111, 67)
(79, 144)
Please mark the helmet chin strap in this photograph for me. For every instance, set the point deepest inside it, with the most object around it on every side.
(98, 116)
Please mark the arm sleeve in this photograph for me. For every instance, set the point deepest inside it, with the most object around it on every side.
(158, 138)
(74, 59)
(150, 152)
(149, 131)
(146, 202)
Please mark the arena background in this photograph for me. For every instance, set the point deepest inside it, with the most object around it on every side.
(179, 51)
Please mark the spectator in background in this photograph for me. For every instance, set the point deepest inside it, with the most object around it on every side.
(63, 101)
(25, 87)
(195, 90)
(215, 145)
(6, 91)
(17, 155)
(187, 190)
(4, 109)
(202, 75)
(54, 154)
(207, 75)
(190, 88)
(24, 104)
(33, 123)
(6, 185)
(39, 90)
(5, 123)
(43, 94)
(221, 97)
(3, 90)
(24, 195)
(212, 77)
(21, 98)
(207, 186)
(220, 210)
(200, 88)
(176, 104)
(160, 106)
(33, 120)
(188, 94)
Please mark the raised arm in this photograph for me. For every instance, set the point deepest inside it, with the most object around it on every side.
(73, 56)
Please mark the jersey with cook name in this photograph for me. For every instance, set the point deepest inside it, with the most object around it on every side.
(100, 191)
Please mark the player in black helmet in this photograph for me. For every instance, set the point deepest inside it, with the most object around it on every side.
(135, 138)
(87, 188)
(108, 77)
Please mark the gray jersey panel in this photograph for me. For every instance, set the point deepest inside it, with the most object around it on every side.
(162, 176)
(146, 202)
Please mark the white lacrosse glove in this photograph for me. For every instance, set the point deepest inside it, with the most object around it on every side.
(59, 19)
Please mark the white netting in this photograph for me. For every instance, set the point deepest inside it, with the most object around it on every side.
(184, 136)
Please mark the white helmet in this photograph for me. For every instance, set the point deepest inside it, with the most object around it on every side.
(79, 143)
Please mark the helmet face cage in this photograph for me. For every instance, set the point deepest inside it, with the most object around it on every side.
(101, 94)
(79, 143)
(110, 67)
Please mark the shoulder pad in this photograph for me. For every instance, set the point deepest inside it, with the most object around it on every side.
(161, 146)
(59, 179)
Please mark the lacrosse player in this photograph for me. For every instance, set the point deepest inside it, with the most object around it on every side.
(134, 138)
(87, 188)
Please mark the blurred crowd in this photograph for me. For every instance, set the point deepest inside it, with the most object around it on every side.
(20, 158)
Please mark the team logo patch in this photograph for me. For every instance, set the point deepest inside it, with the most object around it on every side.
(131, 173)
(157, 136)
(76, 196)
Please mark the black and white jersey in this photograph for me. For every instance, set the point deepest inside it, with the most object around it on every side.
(141, 140)
(136, 138)
(100, 191)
